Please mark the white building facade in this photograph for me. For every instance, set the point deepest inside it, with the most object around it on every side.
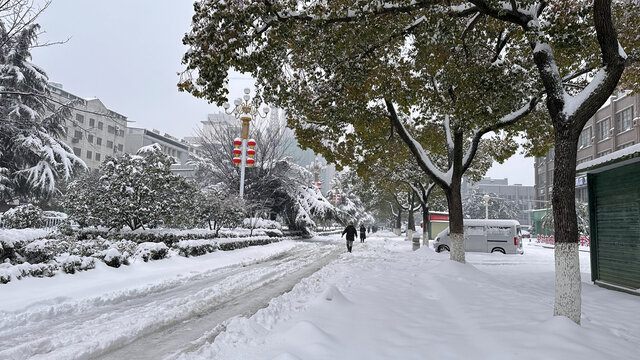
(94, 131)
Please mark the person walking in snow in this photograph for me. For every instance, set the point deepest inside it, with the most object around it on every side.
(351, 232)
(363, 233)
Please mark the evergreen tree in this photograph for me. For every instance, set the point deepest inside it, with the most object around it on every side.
(132, 190)
(32, 156)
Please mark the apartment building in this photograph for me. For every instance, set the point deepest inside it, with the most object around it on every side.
(614, 127)
(93, 131)
(170, 145)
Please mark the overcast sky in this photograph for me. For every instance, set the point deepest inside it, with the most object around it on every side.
(127, 53)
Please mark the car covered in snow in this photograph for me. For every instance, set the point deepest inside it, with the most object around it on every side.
(485, 235)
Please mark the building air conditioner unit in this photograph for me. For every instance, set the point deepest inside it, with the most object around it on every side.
(592, 139)
(611, 131)
(75, 140)
(635, 121)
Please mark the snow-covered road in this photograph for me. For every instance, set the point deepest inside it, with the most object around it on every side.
(173, 313)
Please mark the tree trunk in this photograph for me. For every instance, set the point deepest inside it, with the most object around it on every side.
(398, 229)
(567, 261)
(456, 227)
(411, 222)
(425, 225)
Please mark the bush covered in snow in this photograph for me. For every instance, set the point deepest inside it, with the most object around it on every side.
(70, 264)
(151, 251)
(8, 271)
(39, 251)
(22, 217)
(196, 247)
(260, 223)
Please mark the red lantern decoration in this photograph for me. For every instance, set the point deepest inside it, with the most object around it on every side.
(250, 162)
(251, 143)
(237, 152)
(251, 152)
(237, 161)
(237, 142)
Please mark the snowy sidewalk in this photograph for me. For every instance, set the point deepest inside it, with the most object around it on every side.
(384, 301)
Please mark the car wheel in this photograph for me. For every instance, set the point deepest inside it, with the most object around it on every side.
(500, 250)
(443, 247)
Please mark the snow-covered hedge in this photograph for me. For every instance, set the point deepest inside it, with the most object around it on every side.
(38, 253)
(151, 251)
(70, 264)
(196, 247)
(22, 217)
(8, 271)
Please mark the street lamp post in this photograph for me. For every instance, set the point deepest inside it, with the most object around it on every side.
(245, 111)
(486, 205)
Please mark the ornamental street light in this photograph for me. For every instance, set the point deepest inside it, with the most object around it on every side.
(245, 111)
(486, 198)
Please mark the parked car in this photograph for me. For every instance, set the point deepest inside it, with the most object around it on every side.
(485, 235)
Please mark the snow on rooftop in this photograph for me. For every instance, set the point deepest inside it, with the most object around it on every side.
(609, 157)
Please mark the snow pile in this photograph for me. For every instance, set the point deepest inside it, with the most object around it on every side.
(386, 302)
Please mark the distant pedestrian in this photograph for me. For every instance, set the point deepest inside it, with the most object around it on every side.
(351, 232)
(363, 233)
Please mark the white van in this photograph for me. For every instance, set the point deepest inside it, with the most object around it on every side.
(486, 235)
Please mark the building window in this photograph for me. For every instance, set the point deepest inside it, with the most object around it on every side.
(77, 134)
(92, 122)
(623, 119)
(585, 138)
(603, 153)
(89, 154)
(109, 144)
(111, 129)
(98, 156)
(90, 138)
(77, 151)
(120, 147)
(99, 141)
(121, 133)
(100, 125)
(80, 118)
(584, 160)
(624, 146)
(602, 129)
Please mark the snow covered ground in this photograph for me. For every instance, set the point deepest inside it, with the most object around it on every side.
(385, 302)
(382, 301)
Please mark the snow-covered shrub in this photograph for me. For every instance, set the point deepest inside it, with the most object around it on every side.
(239, 244)
(5, 276)
(117, 253)
(22, 217)
(196, 247)
(72, 263)
(114, 258)
(36, 270)
(151, 250)
(260, 223)
(39, 251)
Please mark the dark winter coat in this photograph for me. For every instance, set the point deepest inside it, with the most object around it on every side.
(363, 232)
(351, 232)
